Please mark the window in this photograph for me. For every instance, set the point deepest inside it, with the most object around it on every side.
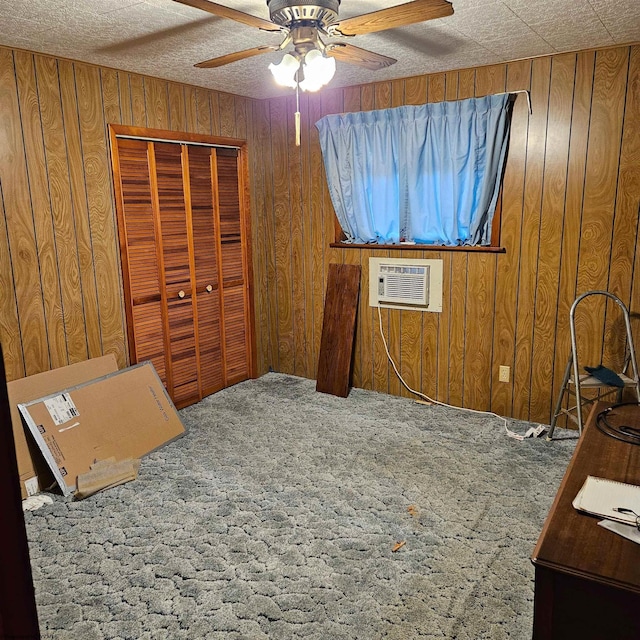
(427, 175)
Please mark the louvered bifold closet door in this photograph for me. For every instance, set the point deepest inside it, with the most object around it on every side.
(183, 228)
(141, 262)
(234, 286)
(206, 261)
(175, 227)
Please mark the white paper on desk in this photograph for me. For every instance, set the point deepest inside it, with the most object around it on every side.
(624, 530)
(601, 497)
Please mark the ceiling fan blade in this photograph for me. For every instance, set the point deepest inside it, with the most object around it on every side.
(398, 16)
(361, 57)
(234, 57)
(233, 14)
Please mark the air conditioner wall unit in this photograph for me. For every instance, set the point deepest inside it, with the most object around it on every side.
(396, 283)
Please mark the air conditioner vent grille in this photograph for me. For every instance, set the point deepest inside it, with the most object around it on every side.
(407, 283)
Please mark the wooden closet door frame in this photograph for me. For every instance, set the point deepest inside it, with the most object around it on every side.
(161, 135)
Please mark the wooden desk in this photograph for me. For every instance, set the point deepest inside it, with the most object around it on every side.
(587, 579)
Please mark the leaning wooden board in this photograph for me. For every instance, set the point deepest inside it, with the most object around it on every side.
(338, 329)
(125, 414)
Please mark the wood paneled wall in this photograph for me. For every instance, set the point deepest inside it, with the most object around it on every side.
(61, 297)
(569, 224)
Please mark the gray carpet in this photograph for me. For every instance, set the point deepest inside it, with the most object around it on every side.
(276, 517)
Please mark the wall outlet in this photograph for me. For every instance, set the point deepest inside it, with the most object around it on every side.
(504, 373)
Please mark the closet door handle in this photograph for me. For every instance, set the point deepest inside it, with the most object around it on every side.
(181, 294)
(209, 288)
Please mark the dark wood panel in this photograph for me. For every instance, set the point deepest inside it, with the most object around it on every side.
(338, 327)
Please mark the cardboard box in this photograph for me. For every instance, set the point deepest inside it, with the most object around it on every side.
(126, 414)
(34, 472)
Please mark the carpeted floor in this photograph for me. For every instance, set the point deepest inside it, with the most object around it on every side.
(276, 517)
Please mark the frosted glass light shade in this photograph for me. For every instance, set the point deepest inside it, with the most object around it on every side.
(318, 70)
(285, 72)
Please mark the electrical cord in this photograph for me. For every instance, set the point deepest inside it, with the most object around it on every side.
(510, 433)
(624, 433)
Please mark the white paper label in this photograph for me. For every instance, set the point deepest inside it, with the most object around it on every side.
(61, 408)
(31, 485)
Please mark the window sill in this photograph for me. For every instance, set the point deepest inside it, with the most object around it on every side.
(417, 247)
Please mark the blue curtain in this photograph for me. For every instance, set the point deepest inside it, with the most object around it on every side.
(428, 174)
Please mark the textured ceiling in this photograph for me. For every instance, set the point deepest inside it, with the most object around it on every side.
(165, 39)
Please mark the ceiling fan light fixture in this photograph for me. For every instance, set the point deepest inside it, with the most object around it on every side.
(318, 70)
(285, 72)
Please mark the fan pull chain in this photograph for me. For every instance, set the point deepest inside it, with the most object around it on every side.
(297, 115)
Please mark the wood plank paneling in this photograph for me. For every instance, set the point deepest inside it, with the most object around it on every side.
(316, 216)
(9, 323)
(62, 214)
(306, 182)
(508, 309)
(298, 265)
(226, 109)
(601, 182)
(282, 216)
(258, 239)
(23, 251)
(156, 103)
(504, 326)
(203, 112)
(568, 228)
(579, 135)
(624, 245)
(458, 287)
(551, 227)
(59, 261)
(80, 208)
(37, 166)
(444, 322)
(529, 237)
(177, 108)
(428, 350)
(138, 101)
(95, 158)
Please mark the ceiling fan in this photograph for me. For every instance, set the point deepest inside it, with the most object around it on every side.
(305, 23)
